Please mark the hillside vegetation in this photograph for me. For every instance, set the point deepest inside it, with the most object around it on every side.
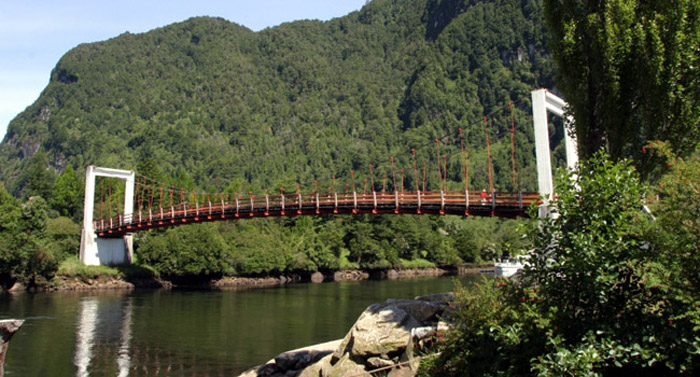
(210, 105)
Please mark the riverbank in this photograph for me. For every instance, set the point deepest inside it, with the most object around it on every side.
(132, 277)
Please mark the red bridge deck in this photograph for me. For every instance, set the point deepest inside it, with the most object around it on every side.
(501, 204)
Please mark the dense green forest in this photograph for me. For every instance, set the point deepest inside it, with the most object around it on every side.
(212, 106)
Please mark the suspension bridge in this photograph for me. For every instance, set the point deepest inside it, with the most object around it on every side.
(149, 204)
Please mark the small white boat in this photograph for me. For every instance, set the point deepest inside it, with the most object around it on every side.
(508, 267)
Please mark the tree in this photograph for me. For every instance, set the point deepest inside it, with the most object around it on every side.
(193, 251)
(37, 179)
(678, 228)
(67, 195)
(629, 72)
(23, 254)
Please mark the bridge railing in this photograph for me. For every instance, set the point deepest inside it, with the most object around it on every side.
(285, 204)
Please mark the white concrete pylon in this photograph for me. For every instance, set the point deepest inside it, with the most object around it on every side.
(543, 101)
(96, 251)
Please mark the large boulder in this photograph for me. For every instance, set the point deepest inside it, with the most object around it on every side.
(384, 336)
(381, 330)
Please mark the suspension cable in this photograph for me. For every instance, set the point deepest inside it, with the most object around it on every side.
(437, 148)
(512, 141)
(488, 151)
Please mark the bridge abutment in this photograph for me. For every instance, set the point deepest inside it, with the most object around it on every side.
(96, 251)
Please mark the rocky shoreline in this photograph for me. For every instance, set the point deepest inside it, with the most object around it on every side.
(386, 337)
(72, 283)
(343, 275)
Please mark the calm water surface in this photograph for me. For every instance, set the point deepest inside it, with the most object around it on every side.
(186, 333)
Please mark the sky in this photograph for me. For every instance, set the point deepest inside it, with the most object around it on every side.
(34, 34)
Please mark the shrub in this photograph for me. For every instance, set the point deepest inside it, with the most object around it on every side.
(63, 237)
(24, 255)
(187, 251)
(597, 300)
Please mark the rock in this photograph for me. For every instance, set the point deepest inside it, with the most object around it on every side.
(420, 310)
(252, 372)
(299, 360)
(439, 298)
(380, 331)
(392, 274)
(346, 367)
(317, 277)
(8, 328)
(286, 361)
(350, 275)
(269, 369)
(315, 370)
(17, 287)
(343, 347)
(378, 362)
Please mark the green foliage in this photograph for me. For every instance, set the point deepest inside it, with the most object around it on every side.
(597, 299)
(497, 332)
(678, 234)
(595, 265)
(68, 194)
(24, 255)
(195, 250)
(37, 179)
(73, 267)
(592, 261)
(628, 71)
(416, 263)
(63, 237)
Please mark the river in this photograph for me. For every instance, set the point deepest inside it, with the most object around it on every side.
(186, 333)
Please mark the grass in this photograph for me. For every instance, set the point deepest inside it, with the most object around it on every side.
(417, 263)
(72, 267)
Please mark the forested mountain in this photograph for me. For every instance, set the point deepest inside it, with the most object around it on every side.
(211, 105)
(288, 103)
